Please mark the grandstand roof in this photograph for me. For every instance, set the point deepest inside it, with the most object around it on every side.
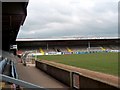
(66, 38)
(13, 16)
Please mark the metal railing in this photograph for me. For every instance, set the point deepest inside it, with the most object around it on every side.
(13, 78)
(20, 82)
(2, 64)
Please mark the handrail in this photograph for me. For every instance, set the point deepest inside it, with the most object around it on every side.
(2, 65)
(20, 82)
(15, 71)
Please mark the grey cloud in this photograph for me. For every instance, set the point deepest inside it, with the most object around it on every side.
(65, 18)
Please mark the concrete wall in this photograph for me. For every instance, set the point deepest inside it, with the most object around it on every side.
(68, 77)
(60, 74)
(86, 82)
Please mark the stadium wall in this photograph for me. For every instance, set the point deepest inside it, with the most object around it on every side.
(72, 79)
(60, 74)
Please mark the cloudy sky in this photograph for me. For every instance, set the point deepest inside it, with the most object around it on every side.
(64, 18)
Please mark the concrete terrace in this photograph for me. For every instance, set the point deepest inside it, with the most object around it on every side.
(33, 75)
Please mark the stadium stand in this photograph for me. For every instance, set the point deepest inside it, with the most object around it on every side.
(7, 67)
(66, 46)
(68, 49)
(94, 49)
(41, 50)
(78, 48)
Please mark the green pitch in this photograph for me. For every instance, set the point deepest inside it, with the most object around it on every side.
(101, 62)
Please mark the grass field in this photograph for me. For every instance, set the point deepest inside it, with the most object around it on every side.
(101, 62)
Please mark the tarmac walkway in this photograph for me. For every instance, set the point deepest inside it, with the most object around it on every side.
(33, 75)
